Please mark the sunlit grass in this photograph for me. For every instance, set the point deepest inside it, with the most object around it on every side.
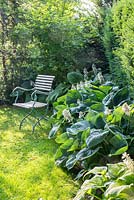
(27, 169)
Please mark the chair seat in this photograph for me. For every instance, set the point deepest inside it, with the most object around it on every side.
(30, 104)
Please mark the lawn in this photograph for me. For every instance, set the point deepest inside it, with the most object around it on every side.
(27, 168)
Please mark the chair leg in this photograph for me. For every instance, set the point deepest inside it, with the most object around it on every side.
(38, 123)
(26, 116)
(37, 119)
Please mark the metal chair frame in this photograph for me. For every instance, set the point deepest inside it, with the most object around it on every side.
(42, 86)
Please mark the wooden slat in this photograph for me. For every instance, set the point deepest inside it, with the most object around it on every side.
(45, 76)
(44, 82)
(40, 88)
(44, 79)
(43, 86)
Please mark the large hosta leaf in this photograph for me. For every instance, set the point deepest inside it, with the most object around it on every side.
(86, 153)
(116, 191)
(105, 88)
(78, 127)
(99, 107)
(117, 115)
(61, 160)
(108, 100)
(114, 129)
(79, 108)
(89, 186)
(99, 95)
(71, 161)
(67, 144)
(59, 110)
(62, 138)
(114, 98)
(97, 170)
(96, 137)
(91, 116)
(54, 130)
(95, 119)
(127, 178)
(120, 95)
(119, 144)
(74, 146)
(116, 170)
(72, 96)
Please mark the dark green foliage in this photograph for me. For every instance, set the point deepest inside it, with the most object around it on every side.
(47, 37)
(95, 121)
(116, 97)
(118, 40)
(60, 90)
(75, 77)
(114, 181)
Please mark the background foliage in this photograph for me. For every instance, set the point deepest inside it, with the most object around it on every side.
(47, 37)
(118, 40)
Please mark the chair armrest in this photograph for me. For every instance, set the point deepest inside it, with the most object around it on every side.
(16, 92)
(36, 92)
(21, 89)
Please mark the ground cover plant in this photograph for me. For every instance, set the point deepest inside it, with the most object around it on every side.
(94, 127)
(27, 168)
(114, 181)
(94, 124)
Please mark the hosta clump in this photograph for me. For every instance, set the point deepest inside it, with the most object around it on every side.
(114, 181)
(93, 125)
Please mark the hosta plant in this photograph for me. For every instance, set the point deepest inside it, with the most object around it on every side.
(93, 123)
(114, 181)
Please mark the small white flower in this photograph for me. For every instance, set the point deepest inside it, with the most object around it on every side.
(100, 77)
(94, 69)
(78, 86)
(86, 83)
(81, 114)
(73, 87)
(126, 109)
(85, 74)
(67, 115)
(78, 101)
(81, 85)
(107, 111)
(128, 161)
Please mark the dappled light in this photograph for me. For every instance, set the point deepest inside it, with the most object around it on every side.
(67, 100)
(27, 163)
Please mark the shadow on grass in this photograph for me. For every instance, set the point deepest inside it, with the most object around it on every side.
(10, 119)
(27, 169)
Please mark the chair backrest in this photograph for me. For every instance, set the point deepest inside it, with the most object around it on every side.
(44, 82)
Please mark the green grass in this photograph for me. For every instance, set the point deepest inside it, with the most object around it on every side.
(27, 168)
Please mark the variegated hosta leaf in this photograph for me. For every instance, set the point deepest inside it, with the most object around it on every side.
(78, 127)
(89, 185)
(115, 191)
(96, 137)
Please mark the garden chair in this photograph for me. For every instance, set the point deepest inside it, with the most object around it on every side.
(42, 86)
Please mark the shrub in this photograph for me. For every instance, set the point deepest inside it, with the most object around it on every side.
(118, 41)
(90, 121)
(114, 181)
